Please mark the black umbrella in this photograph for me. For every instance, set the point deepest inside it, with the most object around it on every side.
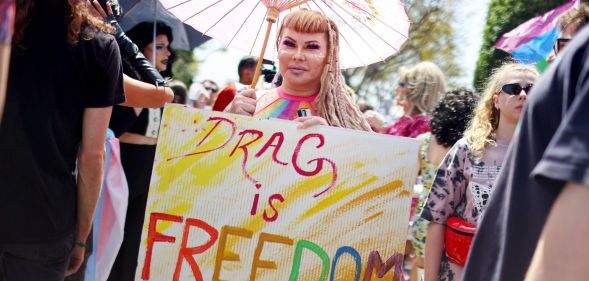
(136, 11)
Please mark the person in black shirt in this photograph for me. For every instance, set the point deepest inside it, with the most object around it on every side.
(535, 220)
(65, 75)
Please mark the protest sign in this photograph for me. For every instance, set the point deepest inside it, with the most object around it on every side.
(236, 198)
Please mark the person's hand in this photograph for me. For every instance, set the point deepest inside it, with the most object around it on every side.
(310, 121)
(100, 11)
(244, 103)
(75, 260)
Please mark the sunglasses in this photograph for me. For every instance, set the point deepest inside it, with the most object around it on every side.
(516, 89)
(560, 44)
(402, 84)
(214, 90)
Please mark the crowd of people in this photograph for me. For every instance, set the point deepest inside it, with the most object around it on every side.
(502, 179)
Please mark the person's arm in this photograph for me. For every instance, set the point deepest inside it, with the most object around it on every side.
(144, 95)
(130, 53)
(91, 159)
(562, 252)
(446, 193)
(434, 248)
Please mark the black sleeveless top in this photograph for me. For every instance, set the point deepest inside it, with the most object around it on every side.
(124, 119)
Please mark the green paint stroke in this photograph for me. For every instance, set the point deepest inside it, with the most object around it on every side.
(296, 265)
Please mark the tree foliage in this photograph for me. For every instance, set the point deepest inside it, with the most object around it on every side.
(184, 66)
(503, 16)
(430, 38)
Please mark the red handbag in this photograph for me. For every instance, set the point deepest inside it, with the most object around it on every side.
(459, 235)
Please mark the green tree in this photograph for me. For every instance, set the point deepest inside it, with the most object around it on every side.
(430, 38)
(185, 66)
(503, 16)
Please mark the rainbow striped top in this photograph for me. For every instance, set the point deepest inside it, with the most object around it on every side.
(278, 104)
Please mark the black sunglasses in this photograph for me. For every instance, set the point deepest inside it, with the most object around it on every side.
(214, 90)
(560, 44)
(516, 89)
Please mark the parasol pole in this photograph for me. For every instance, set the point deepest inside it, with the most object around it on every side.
(271, 18)
(154, 33)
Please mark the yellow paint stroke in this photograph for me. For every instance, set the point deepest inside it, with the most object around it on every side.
(373, 193)
(373, 216)
(403, 193)
(336, 197)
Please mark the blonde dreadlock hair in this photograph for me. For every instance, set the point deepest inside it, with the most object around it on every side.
(333, 103)
(482, 128)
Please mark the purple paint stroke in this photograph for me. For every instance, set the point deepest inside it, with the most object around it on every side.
(531, 29)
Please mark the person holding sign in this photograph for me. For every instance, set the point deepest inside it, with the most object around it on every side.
(312, 91)
(465, 178)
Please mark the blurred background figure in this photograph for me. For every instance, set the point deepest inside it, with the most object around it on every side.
(448, 121)
(246, 69)
(203, 94)
(418, 91)
(198, 96)
(211, 87)
(180, 92)
(569, 24)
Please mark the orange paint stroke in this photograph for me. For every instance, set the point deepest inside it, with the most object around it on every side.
(373, 216)
(336, 197)
(390, 187)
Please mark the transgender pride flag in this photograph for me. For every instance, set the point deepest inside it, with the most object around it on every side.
(532, 41)
(109, 219)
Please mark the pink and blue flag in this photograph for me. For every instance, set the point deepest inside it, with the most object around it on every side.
(532, 41)
(109, 219)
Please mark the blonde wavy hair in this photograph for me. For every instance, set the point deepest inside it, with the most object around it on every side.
(78, 16)
(482, 128)
(426, 83)
(332, 103)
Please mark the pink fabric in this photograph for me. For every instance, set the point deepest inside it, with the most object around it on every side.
(532, 28)
(114, 209)
(410, 127)
(284, 95)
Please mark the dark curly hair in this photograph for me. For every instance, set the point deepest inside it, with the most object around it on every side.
(451, 115)
(142, 34)
(81, 23)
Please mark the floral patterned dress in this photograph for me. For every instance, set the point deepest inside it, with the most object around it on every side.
(427, 171)
(462, 188)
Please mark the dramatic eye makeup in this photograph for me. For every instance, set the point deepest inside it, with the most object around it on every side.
(313, 46)
(288, 43)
